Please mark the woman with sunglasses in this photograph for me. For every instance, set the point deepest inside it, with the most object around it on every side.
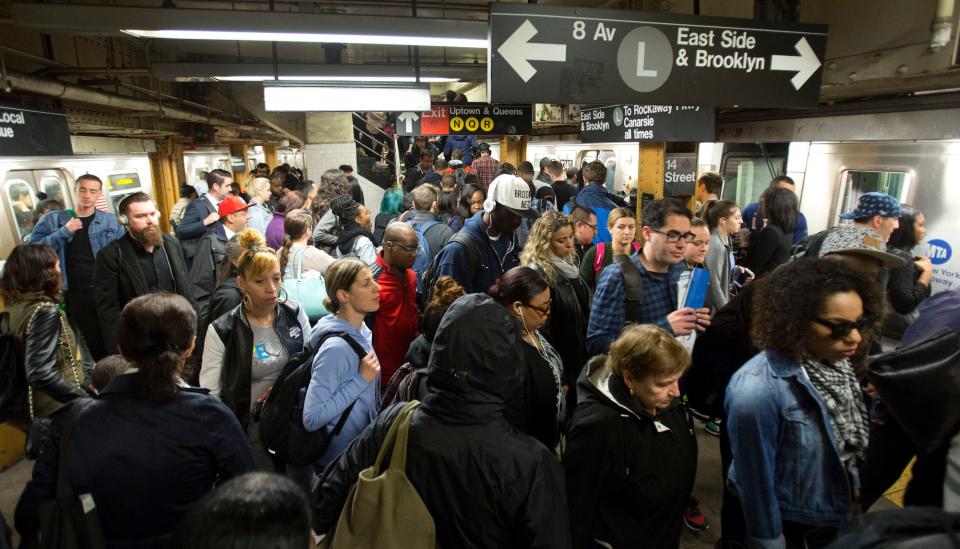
(539, 407)
(796, 418)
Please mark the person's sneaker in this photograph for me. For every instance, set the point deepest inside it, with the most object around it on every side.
(712, 428)
(693, 518)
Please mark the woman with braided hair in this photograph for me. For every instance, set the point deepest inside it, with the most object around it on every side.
(150, 446)
(355, 238)
(246, 349)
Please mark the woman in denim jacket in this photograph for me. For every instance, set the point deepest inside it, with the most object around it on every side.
(796, 418)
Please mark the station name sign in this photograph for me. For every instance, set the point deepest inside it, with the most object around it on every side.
(628, 123)
(557, 54)
(467, 119)
(27, 132)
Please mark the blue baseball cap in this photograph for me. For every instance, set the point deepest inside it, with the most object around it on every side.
(871, 204)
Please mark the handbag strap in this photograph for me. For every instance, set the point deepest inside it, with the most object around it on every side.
(298, 263)
(64, 489)
(388, 441)
(62, 340)
(398, 458)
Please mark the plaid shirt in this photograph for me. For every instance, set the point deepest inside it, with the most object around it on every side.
(485, 167)
(608, 312)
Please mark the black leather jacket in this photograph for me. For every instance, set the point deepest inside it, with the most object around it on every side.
(236, 337)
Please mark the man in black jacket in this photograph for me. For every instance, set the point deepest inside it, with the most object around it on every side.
(202, 213)
(518, 498)
(144, 260)
(203, 274)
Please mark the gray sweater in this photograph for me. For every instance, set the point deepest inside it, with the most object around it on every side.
(718, 262)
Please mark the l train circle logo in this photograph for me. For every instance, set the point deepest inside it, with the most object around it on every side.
(939, 251)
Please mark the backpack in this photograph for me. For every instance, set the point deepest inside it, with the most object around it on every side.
(461, 176)
(632, 285)
(430, 276)
(13, 377)
(601, 251)
(422, 262)
(383, 508)
(406, 385)
(281, 419)
(810, 245)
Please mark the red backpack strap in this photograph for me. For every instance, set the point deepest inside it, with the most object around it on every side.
(636, 246)
(598, 259)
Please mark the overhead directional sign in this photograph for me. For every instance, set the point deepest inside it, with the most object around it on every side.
(467, 119)
(28, 132)
(626, 123)
(556, 54)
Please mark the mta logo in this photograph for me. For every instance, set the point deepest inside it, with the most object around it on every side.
(939, 251)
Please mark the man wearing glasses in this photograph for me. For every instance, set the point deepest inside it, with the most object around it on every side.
(584, 230)
(657, 266)
(395, 324)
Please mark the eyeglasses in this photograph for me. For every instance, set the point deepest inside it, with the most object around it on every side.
(840, 329)
(544, 311)
(673, 236)
(408, 249)
(594, 227)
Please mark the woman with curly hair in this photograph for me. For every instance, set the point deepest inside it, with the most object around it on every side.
(550, 252)
(796, 418)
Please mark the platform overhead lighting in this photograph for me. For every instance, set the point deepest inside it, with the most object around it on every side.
(385, 79)
(316, 96)
(316, 72)
(252, 25)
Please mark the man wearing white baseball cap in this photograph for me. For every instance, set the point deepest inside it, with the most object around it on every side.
(486, 247)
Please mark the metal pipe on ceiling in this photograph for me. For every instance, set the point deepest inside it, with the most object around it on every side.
(45, 86)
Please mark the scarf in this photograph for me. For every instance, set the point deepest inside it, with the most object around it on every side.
(349, 234)
(838, 389)
(564, 266)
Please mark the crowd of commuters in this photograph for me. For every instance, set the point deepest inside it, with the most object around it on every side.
(542, 326)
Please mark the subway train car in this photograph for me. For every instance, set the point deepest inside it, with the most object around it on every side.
(23, 177)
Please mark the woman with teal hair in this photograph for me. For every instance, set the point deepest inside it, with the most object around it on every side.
(390, 207)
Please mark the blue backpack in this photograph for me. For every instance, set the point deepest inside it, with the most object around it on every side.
(422, 263)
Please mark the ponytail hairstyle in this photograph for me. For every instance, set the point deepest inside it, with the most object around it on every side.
(445, 292)
(715, 210)
(340, 275)
(156, 332)
(295, 224)
(228, 266)
(256, 260)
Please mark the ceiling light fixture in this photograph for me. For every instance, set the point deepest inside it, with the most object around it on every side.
(411, 79)
(380, 40)
(316, 96)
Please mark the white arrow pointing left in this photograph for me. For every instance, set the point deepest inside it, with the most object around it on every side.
(805, 64)
(408, 118)
(517, 51)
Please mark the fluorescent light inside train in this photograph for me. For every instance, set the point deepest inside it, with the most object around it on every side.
(380, 40)
(401, 79)
(306, 98)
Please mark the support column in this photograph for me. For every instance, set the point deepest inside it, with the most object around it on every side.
(513, 150)
(240, 176)
(166, 182)
(270, 154)
(329, 142)
(650, 176)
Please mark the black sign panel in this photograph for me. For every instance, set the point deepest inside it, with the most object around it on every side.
(626, 123)
(679, 174)
(25, 132)
(467, 119)
(555, 54)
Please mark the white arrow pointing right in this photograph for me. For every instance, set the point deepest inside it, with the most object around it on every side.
(805, 64)
(408, 118)
(517, 51)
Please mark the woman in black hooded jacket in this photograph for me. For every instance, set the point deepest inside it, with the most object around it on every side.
(517, 499)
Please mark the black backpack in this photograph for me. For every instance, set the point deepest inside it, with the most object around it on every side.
(13, 378)
(430, 275)
(281, 419)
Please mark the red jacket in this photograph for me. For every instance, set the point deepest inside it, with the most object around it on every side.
(397, 321)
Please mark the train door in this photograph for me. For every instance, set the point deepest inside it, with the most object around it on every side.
(608, 158)
(855, 183)
(748, 169)
(20, 194)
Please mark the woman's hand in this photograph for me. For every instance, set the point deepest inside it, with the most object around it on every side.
(370, 367)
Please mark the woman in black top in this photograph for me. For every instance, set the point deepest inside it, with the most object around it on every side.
(908, 285)
(539, 407)
(770, 247)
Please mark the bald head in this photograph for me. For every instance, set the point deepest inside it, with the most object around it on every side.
(400, 244)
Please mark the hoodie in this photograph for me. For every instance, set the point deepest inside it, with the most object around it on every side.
(627, 472)
(454, 260)
(465, 143)
(485, 484)
(336, 382)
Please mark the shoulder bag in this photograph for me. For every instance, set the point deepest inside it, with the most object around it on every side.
(308, 292)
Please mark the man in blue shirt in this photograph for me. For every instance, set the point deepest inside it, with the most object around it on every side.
(754, 221)
(593, 195)
(666, 231)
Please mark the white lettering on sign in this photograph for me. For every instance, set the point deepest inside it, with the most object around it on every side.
(739, 61)
(504, 111)
(6, 132)
(595, 126)
(18, 118)
(673, 177)
(603, 33)
(687, 38)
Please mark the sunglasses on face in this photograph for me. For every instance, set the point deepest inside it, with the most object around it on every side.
(840, 329)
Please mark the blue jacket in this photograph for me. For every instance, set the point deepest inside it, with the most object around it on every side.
(594, 196)
(336, 382)
(454, 260)
(466, 144)
(785, 461)
(50, 230)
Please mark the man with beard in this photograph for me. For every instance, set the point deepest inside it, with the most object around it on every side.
(142, 261)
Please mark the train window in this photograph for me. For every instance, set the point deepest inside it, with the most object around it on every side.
(53, 187)
(746, 177)
(20, 196)
(124, 181)
(857, 182)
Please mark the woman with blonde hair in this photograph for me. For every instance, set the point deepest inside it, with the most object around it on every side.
(260, 214)
(550, 251)
(631, 456)
(246, 349)
(622, 223)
